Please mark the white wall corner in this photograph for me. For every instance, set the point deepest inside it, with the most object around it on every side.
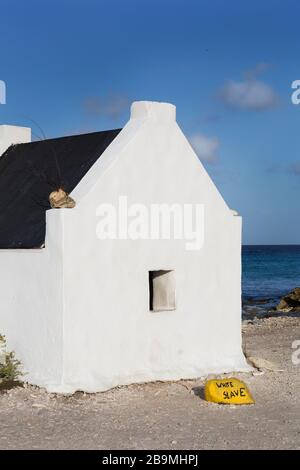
(10, 135)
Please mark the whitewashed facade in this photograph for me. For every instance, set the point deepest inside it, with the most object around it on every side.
(77, 312)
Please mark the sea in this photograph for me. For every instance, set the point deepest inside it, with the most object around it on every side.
(269, 272)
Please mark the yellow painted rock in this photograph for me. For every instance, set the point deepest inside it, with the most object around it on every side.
(227, 391)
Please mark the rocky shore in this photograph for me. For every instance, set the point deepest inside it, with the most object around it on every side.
(290, 302)
(272, 306)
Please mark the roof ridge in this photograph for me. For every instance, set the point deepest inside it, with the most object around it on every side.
(66, 137)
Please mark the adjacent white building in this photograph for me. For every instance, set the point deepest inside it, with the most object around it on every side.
(106, 300)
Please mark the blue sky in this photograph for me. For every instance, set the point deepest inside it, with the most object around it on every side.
(75, 65)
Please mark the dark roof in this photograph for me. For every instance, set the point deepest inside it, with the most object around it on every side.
(30, 172)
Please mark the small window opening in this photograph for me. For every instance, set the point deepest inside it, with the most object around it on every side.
(161, 290)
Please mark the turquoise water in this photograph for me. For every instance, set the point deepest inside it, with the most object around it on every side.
(269, 272)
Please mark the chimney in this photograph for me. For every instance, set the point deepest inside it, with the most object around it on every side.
(13, 135)
(154, 111)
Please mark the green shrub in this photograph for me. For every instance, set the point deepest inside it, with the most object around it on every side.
(9, 365)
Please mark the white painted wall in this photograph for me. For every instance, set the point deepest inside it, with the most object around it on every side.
(110, 336)
(31, 305)
(78, 312)
(13, 135)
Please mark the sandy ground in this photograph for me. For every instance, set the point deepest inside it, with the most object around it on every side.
(167, 415)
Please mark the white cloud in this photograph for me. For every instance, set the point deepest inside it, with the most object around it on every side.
(295, 168)
(111, 106)
(205, 147)
(257, 70)
(250, 94)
